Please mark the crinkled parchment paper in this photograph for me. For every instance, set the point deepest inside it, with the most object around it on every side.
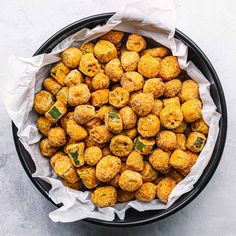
(154, 19)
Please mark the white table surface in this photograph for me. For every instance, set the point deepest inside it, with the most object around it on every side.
(25, 25)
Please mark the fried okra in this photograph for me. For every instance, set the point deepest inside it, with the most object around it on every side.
(88, 176)
(193, 159)
(104, 196)
(74, 78)
(169, 68)
(189, 91)
(154, 86)
(146, 193)
(171, 116)
(43, 101)
(192, 110)
(47, 150)
(44, 125)
(144, 146)
(119, 97)
(114, 70)
(87, 48)
(62, 95)
(100, 113)
(179, 159)
(71, 57)
(148, 126)
(100, 81)
(159, 160)
(121, 145)
(76, 153)
(196, 141)
(100, 134)
(75, 131)
(65, 118)
(78, 95)
(135, 43)
(148, 66)
(181, 141)
(57, 110)
(148, 174)
(166, 140)
(57, 137)
(156, 52)
(130, 180)
(142, 103)
(164, 189)
(59, 72)
(171, 101)
(135, 161)
(125, 196)
(89, 65)
(77, 185)
(113, 36)
(132, 133)
(200, 126)
(129, 60)
(113, 122)
(107, 168)
(51, 85)
(181, 128)
(100, 97)
(128, 117)
(84, 113)
(132, 81)
(175, 175)
(157, 107)
(172, 88)
(106, 151)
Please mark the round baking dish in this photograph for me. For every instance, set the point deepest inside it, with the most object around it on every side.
(134, 217)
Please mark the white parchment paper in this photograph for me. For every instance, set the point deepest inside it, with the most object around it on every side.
(25, 76)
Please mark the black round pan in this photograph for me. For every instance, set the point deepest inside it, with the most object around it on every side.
(134, 217)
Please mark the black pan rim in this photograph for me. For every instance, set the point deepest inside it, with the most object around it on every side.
(193, 193)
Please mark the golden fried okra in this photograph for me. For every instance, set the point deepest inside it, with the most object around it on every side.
(46, 148)
(89, 142)
(78, 95)
(105, 51)
(119, 97)
(114, 70)
(100, 134)
(75, 131)
(148, 126)
(57, 110)
(100, 97)
(65, 118)
(193, 159)
(189, 91)
(113, 36)
(192, 110)
(57, 137)
(172, 88)
(146, 193)
(148, 66)
(156, 52)
(154, 86)
(89, 65)
(159, 160)
(135, 161)
(200, 126)
(164, 189)
(71, 57)
(135, 43)
(103, 110)
(44, 125)
(144, 146)
(181, 141)
(175, 175)
(125, 196)
(76, 153)
(75, 77)
(62, 95)
(55, 158)
(70, 141)
(106, 151)
(88, 176)
(129, 60)
(142, 103)
(95, 122)
(130, 180)
(92, 155)
(181, 128)
(157, 107)
(87, 48)
(169, 68)
(77, 185)
(132, 81)
(59, 72)
(115, 181)
(107, 168)
(171, 101)
(100, 81)
(149, 173)
(51, 85)
(132, 133)
(128, 117)
(43, 101)
(171, 116)
(88, 81)
(166, 140)
(113, 122)
(179, 159)
(196, 142)
(121, 145)
(104, 196)
(84, 113)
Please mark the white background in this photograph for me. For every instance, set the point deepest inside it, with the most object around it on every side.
(25, 25)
